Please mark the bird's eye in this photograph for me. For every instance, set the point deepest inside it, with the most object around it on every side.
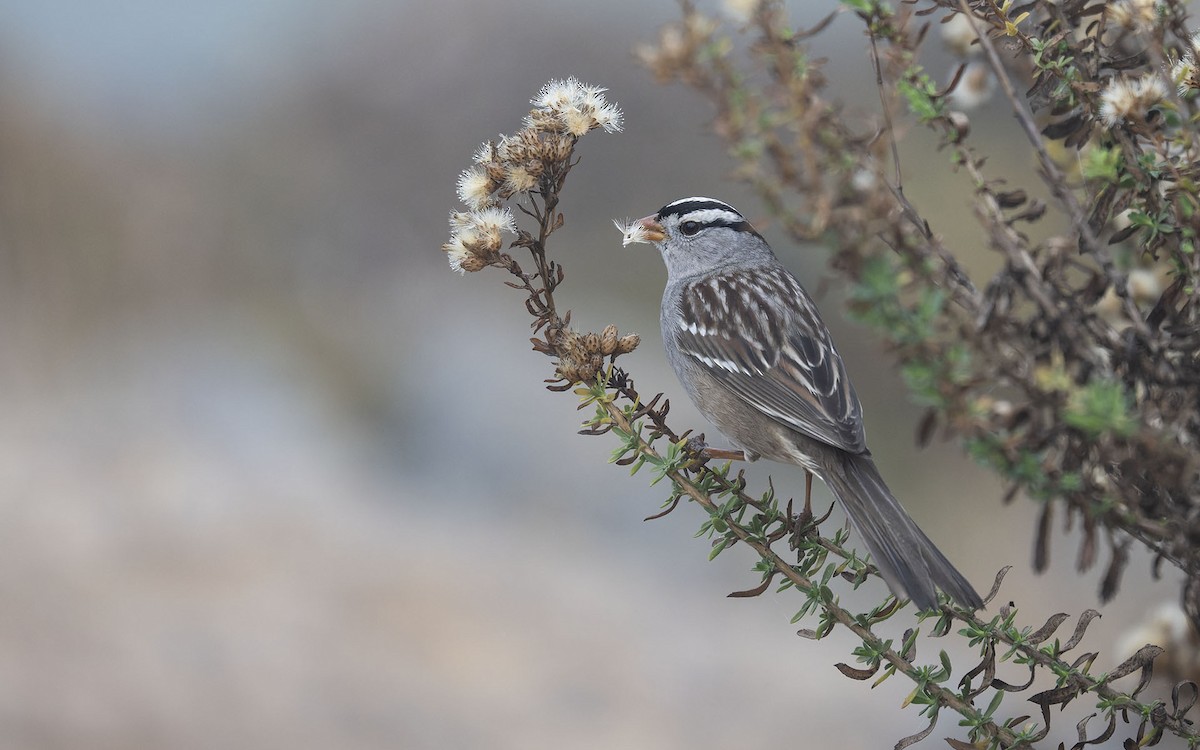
(689, 228)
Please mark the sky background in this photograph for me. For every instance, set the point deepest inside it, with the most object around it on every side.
(272, 476)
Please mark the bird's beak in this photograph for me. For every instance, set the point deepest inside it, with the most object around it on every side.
(651, 230)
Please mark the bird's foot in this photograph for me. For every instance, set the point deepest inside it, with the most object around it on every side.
(805, 523)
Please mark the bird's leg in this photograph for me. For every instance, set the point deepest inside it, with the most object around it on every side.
(722, 454)
(697, 445)
(808, 491)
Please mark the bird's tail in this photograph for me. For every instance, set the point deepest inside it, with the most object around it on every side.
(908, 560)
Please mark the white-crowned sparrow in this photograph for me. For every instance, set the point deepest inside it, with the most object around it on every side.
(752, 352)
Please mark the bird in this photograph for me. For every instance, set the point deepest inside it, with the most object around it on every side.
(750, 349)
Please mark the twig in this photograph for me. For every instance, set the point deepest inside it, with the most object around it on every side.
(1052, 175)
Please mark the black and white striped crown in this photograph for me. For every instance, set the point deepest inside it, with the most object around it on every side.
(707, 212)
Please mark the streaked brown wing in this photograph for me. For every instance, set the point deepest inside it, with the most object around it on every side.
(764, 340)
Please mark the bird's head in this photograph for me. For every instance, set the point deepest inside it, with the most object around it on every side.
(697, 235)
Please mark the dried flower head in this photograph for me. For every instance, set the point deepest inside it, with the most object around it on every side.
(537, 157)
(575, 121)
(494, 220)
(581, 355)
(1125, 99)
(519, 179)
(677, 44)
(557, 148)
(460, 255)
(485, 154)
(628, 343)
(577, 107)
(475, 237)
(557, 94)
(741, 11)
(608, 340)
(1143, 285)
(959, 36)
(1138, 15)
(576, 362)
(975, 86)
(1184, 72)
(543, 121)
(609, 117)
(475, 187)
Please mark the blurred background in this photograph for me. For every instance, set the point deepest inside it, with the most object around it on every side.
(272, 476)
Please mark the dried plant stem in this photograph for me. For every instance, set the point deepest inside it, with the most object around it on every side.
(1052, 175)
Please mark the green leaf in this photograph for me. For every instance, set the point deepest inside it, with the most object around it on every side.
(918, 94)
(719, 548)
(1103, 164)
(1101, 407)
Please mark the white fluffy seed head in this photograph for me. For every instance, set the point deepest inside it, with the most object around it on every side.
(457, 253)
(496, 219)
(558, 94)
(975, 87)
(475, 237)
(563, 111)
(519, 179)
(610, 118)
(1117, 102)
(1182, 71)
(475, 187)
(1151, 89)
(1127, 99)
(959, 36)
(1138, 15)
(577, 107)
(576, 121)
(485, 153)
(633, 232)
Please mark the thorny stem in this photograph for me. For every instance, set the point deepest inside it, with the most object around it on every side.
(944, 696)
(1078, 681)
